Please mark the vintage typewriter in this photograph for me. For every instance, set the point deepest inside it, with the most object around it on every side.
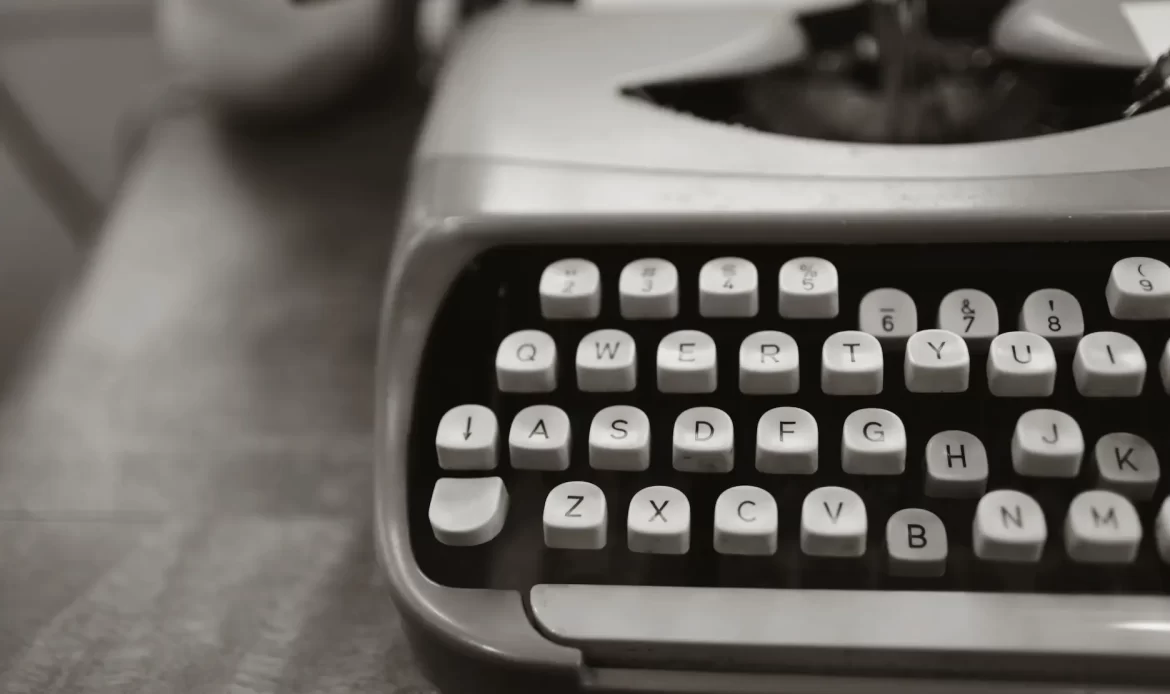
(762, 349)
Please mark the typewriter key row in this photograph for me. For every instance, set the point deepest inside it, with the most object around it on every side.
(1137, 289)
(1045, 443)
(1100, 526)
(1019, 364)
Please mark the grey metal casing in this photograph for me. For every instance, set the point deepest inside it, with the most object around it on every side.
(530, 142)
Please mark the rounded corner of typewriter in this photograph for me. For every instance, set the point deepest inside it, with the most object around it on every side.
(480, 629)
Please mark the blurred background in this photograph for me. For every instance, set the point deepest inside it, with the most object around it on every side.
(73, 69)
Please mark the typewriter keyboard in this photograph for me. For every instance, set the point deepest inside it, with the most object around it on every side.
(946, 417)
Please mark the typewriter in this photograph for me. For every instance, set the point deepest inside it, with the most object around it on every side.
(764, 348)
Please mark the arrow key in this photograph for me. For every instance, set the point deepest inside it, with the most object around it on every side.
(467, 438)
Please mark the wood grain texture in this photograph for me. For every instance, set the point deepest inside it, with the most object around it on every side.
(185, 466)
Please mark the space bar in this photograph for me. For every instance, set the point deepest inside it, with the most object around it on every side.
(632, 626)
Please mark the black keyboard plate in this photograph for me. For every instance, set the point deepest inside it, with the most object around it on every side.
(498, 294)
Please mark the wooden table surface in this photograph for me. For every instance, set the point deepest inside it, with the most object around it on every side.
(185, 464)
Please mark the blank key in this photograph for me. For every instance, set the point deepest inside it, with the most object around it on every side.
(467, 512)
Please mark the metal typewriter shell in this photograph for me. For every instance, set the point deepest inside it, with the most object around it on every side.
(529, 142)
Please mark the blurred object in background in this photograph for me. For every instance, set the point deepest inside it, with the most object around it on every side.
(69, 72)
(272, 57)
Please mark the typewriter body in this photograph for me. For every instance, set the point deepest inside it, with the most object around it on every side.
(746, 350)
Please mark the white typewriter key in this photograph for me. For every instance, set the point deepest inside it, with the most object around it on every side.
(746, 520)
(1127, 464)
(873, 442)
(704, 441)
(916, 543)
(1164, 367)
(648, 288)
(1139, 289)
(570, 288)
(686, 363)
(786, 442)
(729, 288)
(1109, 365)
(888, 314)
(1053, 314)
(526, 362)
(466, 438)
(833, 523)
(937, 361)
(659, 522)
(1047, 443)
(1162, 531)
(769, 364)
(607, 362)
(468, 511)
(1009, 526)
(956, 466)
(539, 439)
(852, 364)
(808, 289)
(1021, 365)
(575, 516)
(619, 439)
(970, 314)
(1102, 527)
